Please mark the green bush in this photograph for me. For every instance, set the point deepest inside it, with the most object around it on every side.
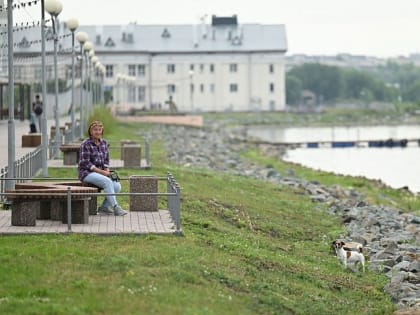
(105, 115)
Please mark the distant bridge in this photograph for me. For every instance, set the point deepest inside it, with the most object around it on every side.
(388, 143)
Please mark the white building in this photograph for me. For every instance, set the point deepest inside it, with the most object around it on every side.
(222, 66)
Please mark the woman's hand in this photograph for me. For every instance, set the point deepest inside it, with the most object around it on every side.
(104, 172)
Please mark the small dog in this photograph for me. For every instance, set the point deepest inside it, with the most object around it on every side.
(349, 256)
(353, 246)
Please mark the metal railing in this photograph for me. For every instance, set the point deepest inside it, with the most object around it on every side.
(66, 139)
(26, 167)
(174, 200)
(31, 163)
(173, 195)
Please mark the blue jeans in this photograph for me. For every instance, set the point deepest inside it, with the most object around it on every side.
(109, 186)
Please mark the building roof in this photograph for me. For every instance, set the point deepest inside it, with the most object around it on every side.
(137, 38)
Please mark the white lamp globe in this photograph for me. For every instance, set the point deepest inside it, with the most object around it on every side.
(53, 7)
(72, 24)
(82, 37)
(94, 60)
(87, 46)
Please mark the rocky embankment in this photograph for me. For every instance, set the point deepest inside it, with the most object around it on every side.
(391, 238)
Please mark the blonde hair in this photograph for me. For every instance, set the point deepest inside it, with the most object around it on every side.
(95, 123)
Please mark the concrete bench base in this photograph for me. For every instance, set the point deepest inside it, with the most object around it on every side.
(71, 157)
(143, 184)
(131, 154)
(79, 211)
(49, 201)
(31, 140)
(52, 131)
(70, 154)
(24, 213)
(123, 143)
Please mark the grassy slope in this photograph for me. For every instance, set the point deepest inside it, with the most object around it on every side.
(249, 248)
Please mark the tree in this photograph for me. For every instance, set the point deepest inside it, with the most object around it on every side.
(333, 83)
(320, 79)
(293, 90)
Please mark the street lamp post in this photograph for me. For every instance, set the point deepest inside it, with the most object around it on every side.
(72, 25)
(99, 68)
(90, 55)
(54, 8)
(191, 73)
(10, 184)
(44, 131)
(82, 38)
(87, 47)
(102, 96)
(118, 90)
(94, 60)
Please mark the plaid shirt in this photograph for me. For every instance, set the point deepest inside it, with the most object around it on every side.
(92, 155)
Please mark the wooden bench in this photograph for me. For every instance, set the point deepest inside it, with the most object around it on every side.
(52, 131)
(49, 201)
(70, 153)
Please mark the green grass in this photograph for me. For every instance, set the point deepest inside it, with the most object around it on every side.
(328, 117)
(374, 191)
(249, 247)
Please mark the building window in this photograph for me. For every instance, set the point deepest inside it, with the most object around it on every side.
(201, 68)
(271, 68)
(18, 72)
(165, 33)
(141, 70)
(141, 93)
(233, 67)
(212, 88)
(38, 74)
(233, 88)
(192, 67)
(171, 89)
(202, 88)
(271, 87)
(132, 70)
(109, 71)
(49, 72)
(131, 94)
(170, 68)
(109, 42)
(211, 68)
(192, 88)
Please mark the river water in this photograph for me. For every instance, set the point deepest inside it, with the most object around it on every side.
(397, 166)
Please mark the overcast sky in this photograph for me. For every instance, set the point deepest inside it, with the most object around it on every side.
(383, 28)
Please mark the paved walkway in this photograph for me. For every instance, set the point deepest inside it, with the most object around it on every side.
(153, 222)
(21, 128)
(134, 223)
(185, 120)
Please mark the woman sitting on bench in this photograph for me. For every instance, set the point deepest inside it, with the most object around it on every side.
(94, 168)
